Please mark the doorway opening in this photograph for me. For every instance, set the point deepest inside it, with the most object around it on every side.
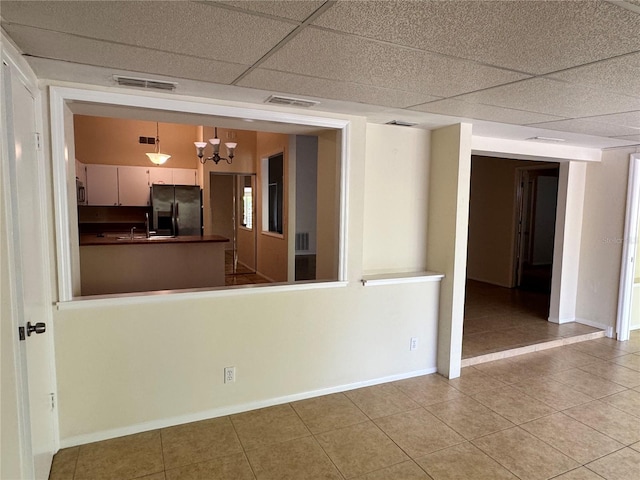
(512, 218)
(233, 201)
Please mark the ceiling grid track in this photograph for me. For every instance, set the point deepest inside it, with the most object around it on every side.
(323, 8)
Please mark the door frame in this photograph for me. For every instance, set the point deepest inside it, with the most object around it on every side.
(19, 68)
(519, 200)
(629, 246)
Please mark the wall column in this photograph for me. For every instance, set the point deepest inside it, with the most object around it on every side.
(447, 236)
(568, 237)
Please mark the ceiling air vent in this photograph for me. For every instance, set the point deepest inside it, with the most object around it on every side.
(401, 123)
(546, 139)
(293, 102)
(145, 83)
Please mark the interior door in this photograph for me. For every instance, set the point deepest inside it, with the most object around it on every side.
(29, 272)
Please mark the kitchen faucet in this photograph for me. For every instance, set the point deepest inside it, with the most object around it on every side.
(146, 224)
(133, 229)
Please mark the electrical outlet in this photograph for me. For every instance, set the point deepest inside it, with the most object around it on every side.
(229, 374)
(414, 343)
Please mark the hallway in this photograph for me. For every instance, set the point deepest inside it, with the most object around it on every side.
(499, 319)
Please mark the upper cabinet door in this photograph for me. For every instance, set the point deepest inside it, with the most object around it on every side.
(185, 176)
(102, 185)
(160, 175)
(133, 186)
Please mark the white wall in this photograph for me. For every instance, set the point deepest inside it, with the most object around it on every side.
(396, 199)
(129, 367)
(605, 200)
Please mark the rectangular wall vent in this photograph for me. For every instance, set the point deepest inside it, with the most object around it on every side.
(401, 123)
(145, 83)
(546, 139)
(302, 241)
(294, 102)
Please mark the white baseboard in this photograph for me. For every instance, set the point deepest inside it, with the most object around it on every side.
(608, 329)
(561, 321)
(230, 410)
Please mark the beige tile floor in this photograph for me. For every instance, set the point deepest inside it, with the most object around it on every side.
(498, 319)
(243, 275)
(571, 412)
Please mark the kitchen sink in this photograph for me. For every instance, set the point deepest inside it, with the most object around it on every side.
(144, 237)
(129, 237)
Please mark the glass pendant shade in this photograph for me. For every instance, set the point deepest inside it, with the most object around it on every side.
(215, 144)
(158, 158)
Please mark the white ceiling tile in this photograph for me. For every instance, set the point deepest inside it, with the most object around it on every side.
(316, 87)
(620, 74)
(483, 112)
(627, 119)
(297, 10)
(530, 36)
(180, 27)
(588, 127)
(324, 54)
(60, 46)
(552, 97)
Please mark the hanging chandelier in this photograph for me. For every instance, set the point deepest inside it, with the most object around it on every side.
(215, 142)
(157, 157)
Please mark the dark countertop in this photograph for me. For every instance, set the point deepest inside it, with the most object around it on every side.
(112, 239)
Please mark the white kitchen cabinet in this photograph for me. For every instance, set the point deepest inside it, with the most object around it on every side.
(185, 176)
(161, 175)
(133, 186)
(81, 173)
(102, 185)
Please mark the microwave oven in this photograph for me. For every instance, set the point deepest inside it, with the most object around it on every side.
(81, 197)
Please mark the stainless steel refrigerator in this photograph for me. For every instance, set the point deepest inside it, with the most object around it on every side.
(177, 209)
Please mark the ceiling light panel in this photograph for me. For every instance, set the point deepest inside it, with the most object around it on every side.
(298, 11)
(189, 28)
(587, 127)
(42, 43)
(530, 36)
(543, 95)
(316, 87)
(483, 112)
(320, 53)
(627, 119)
(620, 74)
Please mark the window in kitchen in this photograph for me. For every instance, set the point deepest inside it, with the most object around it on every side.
(247, 207)
(274, 194)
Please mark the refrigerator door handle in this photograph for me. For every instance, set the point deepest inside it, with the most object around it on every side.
(177, 219)
(173, 220)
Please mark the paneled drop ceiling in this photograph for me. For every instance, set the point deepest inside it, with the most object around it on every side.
(568, 69)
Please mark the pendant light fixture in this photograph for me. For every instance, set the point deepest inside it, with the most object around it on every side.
(157, 157)
(215, 142)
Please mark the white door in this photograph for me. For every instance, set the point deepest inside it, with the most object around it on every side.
(29, 274)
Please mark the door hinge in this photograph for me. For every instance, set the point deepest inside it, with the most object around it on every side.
(53, 400)
(38, 142)
(21, 334)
